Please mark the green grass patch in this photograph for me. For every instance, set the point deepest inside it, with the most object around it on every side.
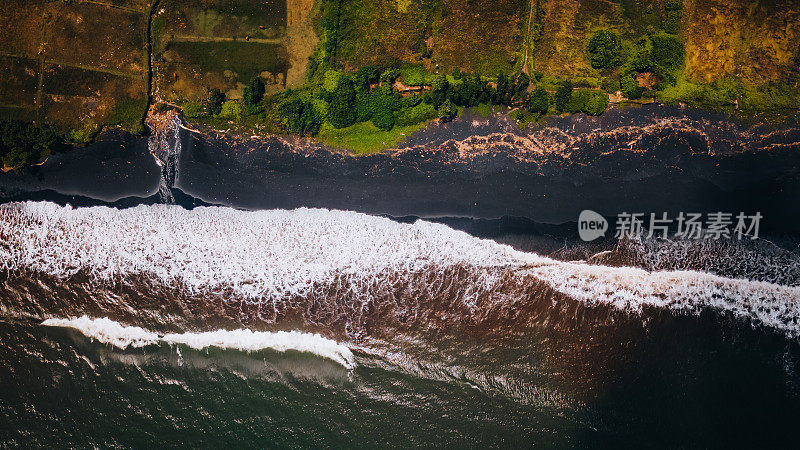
(365, 138)
(246, 59)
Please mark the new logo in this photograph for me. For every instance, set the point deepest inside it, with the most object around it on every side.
(591, 225)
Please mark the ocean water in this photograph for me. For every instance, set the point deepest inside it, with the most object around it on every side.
(161, 326)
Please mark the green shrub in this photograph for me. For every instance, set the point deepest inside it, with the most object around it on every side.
(439, 90)
(342, 107)
(668, 52)
(214, 102)
(610, 84)
(578, 100)
(253, 92)
(672, 22)
(231, 110)
(539, 101)
(363, 106)
(366, 76)
(642, 55)
(300, 116)
(389, 75)
(416, 114)
(447, 111)
(383, 119)
(194, 109)
(23, 144)
(331, 80)
(605, 50)
(563, 95)
(597, 103)
(630, 86)
(674, 5)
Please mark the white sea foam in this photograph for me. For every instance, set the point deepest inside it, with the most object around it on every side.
(107, 331)
(274, 254)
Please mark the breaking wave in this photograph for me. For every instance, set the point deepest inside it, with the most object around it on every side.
(110, 332)
(344, 264)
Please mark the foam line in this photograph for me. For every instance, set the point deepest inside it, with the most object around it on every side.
(278, 254)
(110, 332)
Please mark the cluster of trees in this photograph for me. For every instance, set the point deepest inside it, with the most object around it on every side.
(571, 100)
(216, 104)
(661, 53)
(23, 144)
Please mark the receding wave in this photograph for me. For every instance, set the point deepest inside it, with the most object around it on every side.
(110, 332)
(348, 264)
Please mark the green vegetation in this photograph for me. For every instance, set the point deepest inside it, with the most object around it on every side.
(24, 144)
(365, 137)
(381, 67)
(605, 50)
(447, 111)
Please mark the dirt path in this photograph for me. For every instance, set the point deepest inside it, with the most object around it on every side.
(528, 37)
(225, 39)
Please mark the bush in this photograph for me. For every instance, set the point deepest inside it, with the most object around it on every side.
(577, 102)
(231, 110)
(331, 80)
(563, 95)
(642, 57)
(467, 93)
(23, 144)
(605, 50)
(597, 103)
(672, 22)
(630, 86)
(439, 91)
(300, 116)
(539, 101)
(415, 115)
(215, 101)
(253, 93)
(674, 5)
(668, 53)
(363, 106)
(610, 84)
(194, 109)
(447, 111)
(342, 107)
(389, 75)
(367, 76)
(383, 120)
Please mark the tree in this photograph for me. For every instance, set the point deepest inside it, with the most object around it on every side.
(502, 89)
(523, 81)
(383, 119)
(23, 144)
(440, 90)
(630, 86)
(447, 111)
(366, 76)
(215, 101)
(605, 50)
(300, 116)
(342, 110)
(539, 101)
(563, 95)
(253, 92)
(597, 104)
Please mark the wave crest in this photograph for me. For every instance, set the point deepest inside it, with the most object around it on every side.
(121, 336)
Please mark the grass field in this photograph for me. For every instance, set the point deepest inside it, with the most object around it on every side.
(364, 137)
